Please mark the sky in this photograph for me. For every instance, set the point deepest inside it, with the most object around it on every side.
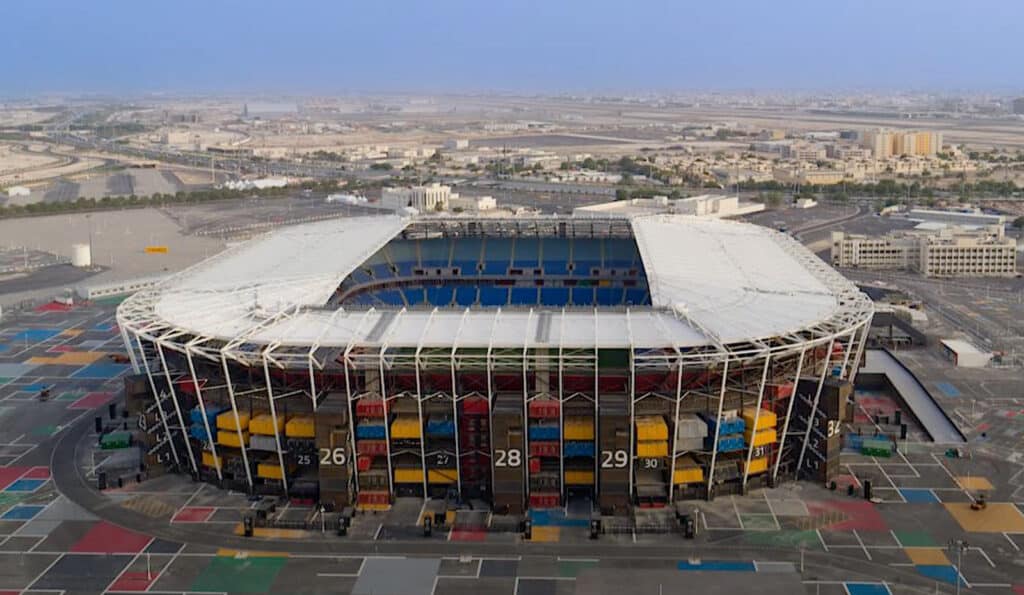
(342, 46)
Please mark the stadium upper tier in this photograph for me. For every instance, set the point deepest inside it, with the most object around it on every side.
(660, 281)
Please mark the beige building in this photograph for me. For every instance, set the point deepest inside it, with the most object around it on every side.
(885, 143)
(433, 197)
(950, 252)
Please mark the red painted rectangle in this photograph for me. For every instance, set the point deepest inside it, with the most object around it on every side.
(37, 473)
(194, 514)
(468, 535)
(91, 401)
(132, 582)
(107, 538)
(9, 475)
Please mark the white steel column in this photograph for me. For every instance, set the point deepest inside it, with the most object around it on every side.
(423, 428)
(789, 412)
(273, 418)
(860, 352)
(234, 410)
(387, 426)
(814, 406)
(351, 423)
(757, 416)
(159, 405)
(177, 407)
(128, 347)
(718, 429)
(675, 430)
(202, 409)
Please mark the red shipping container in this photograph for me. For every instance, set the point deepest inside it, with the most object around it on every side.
(370, 408)
(371, 447)
(543, 408)
(544, 500)
(534, 465)
(474, 406)
(543, 449)
(364, 462)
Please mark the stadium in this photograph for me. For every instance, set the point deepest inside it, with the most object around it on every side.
(515, 362)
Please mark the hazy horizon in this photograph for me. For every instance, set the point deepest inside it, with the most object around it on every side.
(530, 47)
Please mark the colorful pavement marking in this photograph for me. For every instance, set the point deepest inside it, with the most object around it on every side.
(545, 534)
(37, 473)
(468, 535)
(69, 358)
(9, 474)
(948, 389)
(91, 401)
(860, 515)
(914, 539)
(717, 565)
(103, 371)
(926, 556)
(22, 512)
(15, 371)
(918, 496)
(35, 335)
(997, 517)
(25, 485)
(974, 483)
(107, 538)
(867, 589)
(133, 582)
(194, 514)
(946, 574)
(250, 574)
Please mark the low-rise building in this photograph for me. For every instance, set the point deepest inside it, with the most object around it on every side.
(705, 205)
(433, 197)
(947, 252)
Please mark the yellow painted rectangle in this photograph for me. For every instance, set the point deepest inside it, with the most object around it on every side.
(72, 332)
(762, 437)
(974, 483)
(230, 438)
(579, 428)
(210, 460)
(996, 517)
(408, 475)
(263, 424)
(652, 448)
(226, 421)
(758, 465)
(300, 427)
(442, 475)
(156, 249)
(579, 477)
(269, 471)
(545, 534)
(229, 553)
(406, 428)
(688, 475)
(373, 507)
(927, 556)
(765, 419)
(651, 427)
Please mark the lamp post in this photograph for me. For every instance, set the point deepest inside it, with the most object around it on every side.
(960, 546)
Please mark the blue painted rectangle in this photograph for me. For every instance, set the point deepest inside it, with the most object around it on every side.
(718, 565)
(35, 335)
(919, 496)
(948, 389)
(22, 512)
(32, 388)
(101, 371)
(944, 573)
(3, 347)
(25, 485)
(867, 589)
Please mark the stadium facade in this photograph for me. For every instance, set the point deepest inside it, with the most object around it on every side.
(517, 361)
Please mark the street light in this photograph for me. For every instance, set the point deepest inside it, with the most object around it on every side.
(960, 547)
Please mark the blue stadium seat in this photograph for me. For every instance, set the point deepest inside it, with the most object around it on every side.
(467, 268)
(526, 253)
(583, 296)
(465, 296)
(554, 296)
(523, 296)
(493, 296)
(637, 297)
(556, 267)
(497, 256)
(360, 275)
(609, 296)
(493, 267)
(583, 267)
(405, 268)
(390, 297)
(362, 299)
(413, 296)
(440, 296)
(382, 271)
(401, 251)
(555, 255)
(434, 253)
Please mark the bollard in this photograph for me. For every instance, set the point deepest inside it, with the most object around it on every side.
(899, 417)
(527, 530)
(867, 489)
(99, 424)
(248, 524)
(112, 410)
(101, 480)
(120, 482)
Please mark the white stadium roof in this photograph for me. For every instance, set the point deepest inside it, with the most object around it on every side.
(712, 283)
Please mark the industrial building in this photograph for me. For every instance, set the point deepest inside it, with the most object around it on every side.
(964, 217)
(519, 363)
(946, 252)
(705, 205)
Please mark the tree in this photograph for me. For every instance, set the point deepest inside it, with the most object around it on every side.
(1018, 223)
(621, 194)
(627, 179)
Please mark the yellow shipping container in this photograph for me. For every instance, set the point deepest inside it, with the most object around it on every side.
(226, 421)
(269, 471)
(410, 475)
(758, 465)
(300, 427)
(652, 448)
(230, 438)
(442, 476)
(579, 428)
(761, 438)
(766, 419)
(210, 460)
(263, 424)
(576, 477)
(688, 475)
(651, 427)
(406, 428)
